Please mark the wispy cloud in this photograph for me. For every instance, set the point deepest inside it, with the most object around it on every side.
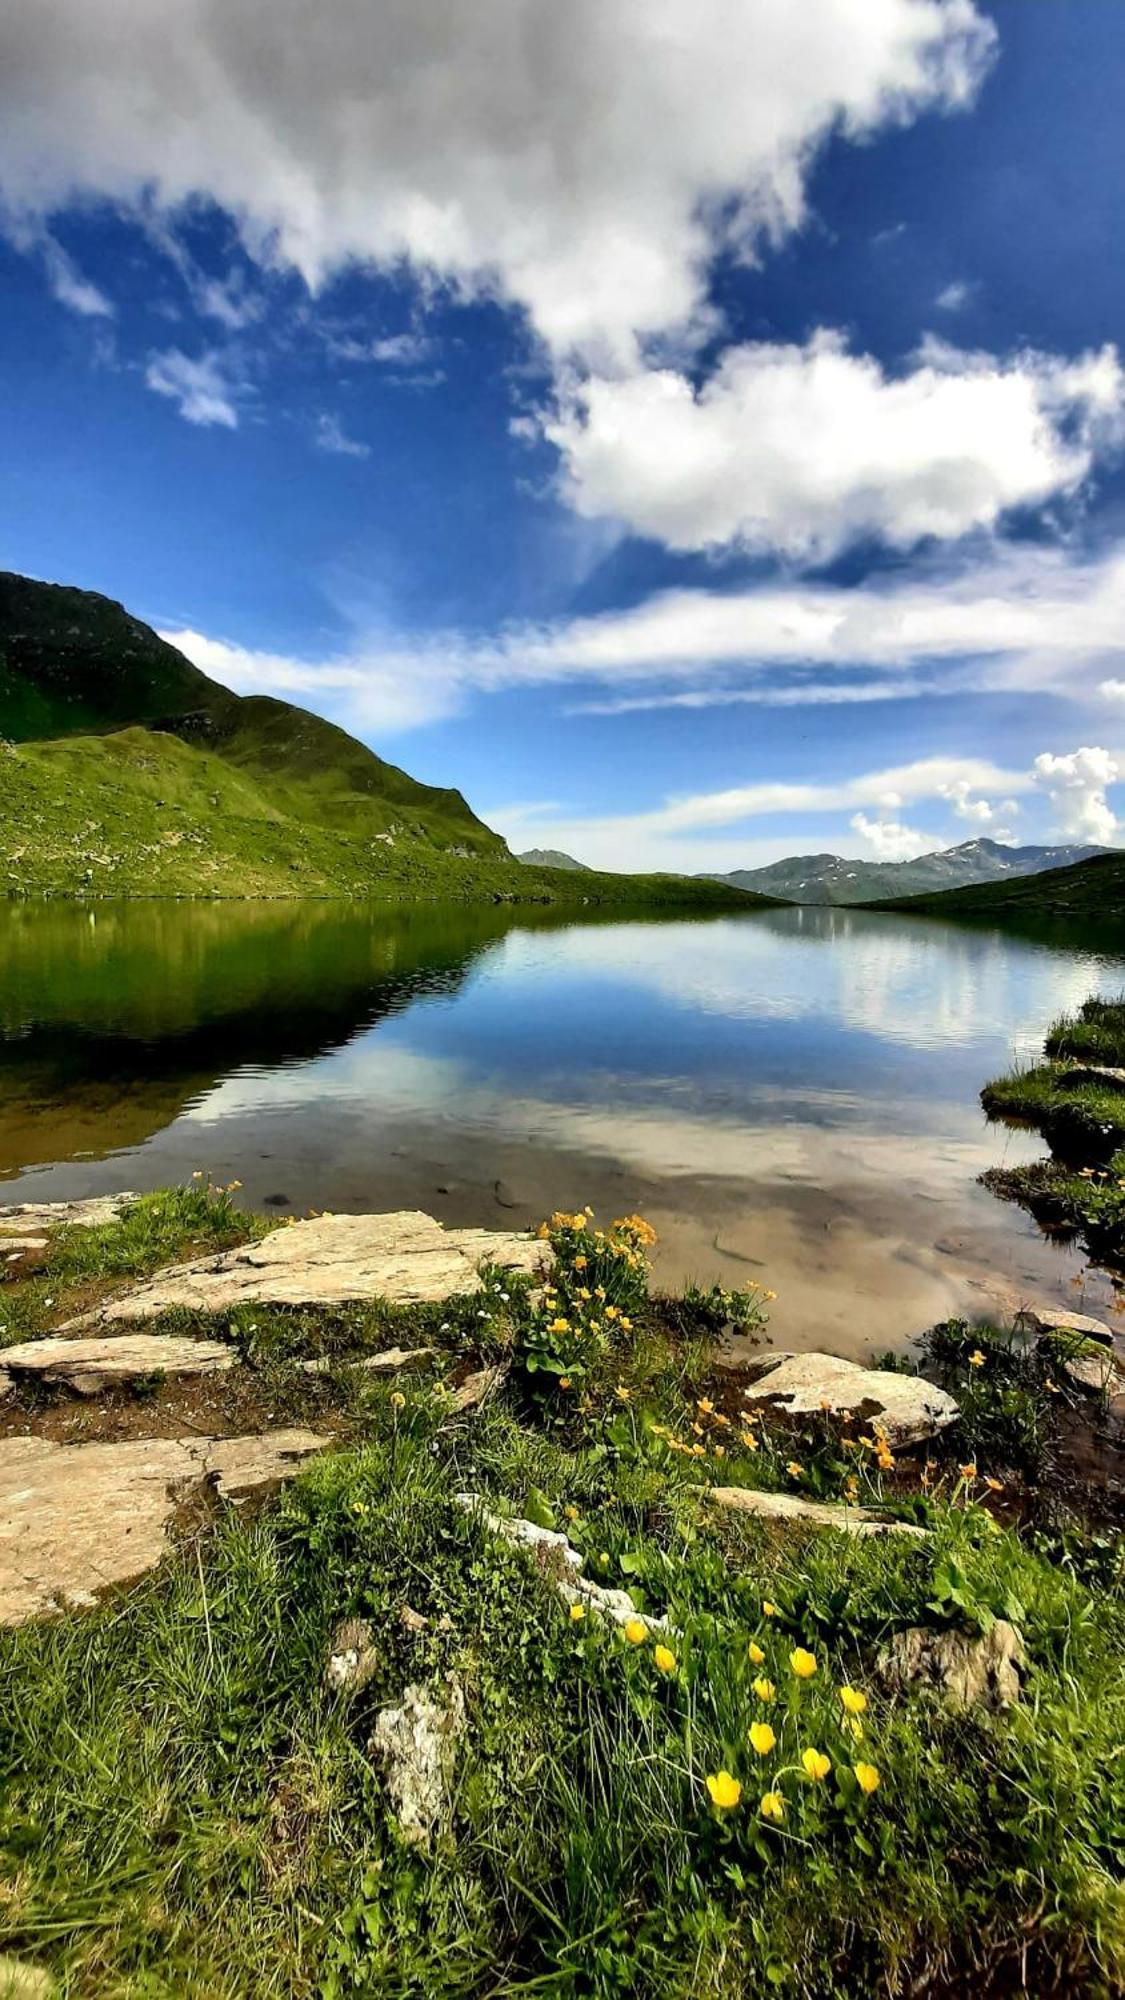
(953, 298)
(200, 388)
(331, 437)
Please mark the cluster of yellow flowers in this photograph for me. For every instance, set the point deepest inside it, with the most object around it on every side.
(725, 1790)
(707, 1417)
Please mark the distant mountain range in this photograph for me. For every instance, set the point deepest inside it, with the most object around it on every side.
(551, 857)
(829, 878)
(1092, 891)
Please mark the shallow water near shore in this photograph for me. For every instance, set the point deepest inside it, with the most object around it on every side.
(790, 1096)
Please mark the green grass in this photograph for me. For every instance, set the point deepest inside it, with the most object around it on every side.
(1084, 1123)
(1093, 890)
(188, 1810)
(1096, 1034)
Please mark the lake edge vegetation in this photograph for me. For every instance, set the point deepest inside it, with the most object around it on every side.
(724, 1795)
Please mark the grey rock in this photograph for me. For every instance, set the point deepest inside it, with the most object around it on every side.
(91, 1365)
(353, 1658)
(790, 1507)
(388, 1362)
(476, 1388)
(416, 1744)
(967, 1672)
(80, 1519)
(1046, 1319)
(31, 1218)
(906, 1407)
(405, 1257)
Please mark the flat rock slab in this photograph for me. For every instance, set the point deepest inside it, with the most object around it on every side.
(790, 1508)
(1060, 1319)
(31, 1218)
(905, 1407)
(406, 1258)
(111, 1361)
(79, 1519)
(388, 1362)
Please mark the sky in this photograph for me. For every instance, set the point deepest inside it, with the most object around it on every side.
(695, 429)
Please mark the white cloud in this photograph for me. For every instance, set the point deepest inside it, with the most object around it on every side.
(803, 449)
(889, 839)
(1112, 690)
(584, 160)
(331, 437)
(199, 388)
(1077, 784)
(69, 286)
(979, 812)
(955, 297)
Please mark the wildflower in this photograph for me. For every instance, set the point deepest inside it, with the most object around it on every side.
(768, 1610)
(699, 1451)
(559, 1326)
(571, 1513)
(816, 1763)
(543, 1232)
(623, 1394)
(762, 1738)
(577, 1613)
(967, 1472)
(794, 1470)
(885, 1461)
(803, 1663)
(604, 1560)
(611, 1312)
(867, 1777)
(851, 1489)
(725, 1791)
(756, 1653)
(564, 1381)
(398, 1400)
(748, 1439)
(764, 1689)
(854, 1701)
(580, 1263)
(626, 1324)
(720, 1450)
(636, 1631)
(773, 1806)
(664, 1659)
(705, 1406)
(976, 1358)
(994, 1485)
(359, 1507)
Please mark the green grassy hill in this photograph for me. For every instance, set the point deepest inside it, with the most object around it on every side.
(126, 771)
(1092, 889)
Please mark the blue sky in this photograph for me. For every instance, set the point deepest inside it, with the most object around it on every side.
(695, 430)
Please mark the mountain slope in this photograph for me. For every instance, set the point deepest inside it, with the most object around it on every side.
(828, 878)
(125, 771)
(551, 857)
(1093, 890)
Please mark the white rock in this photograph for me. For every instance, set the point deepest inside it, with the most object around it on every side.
(561, 1565)
(906, 1407)
(91, 1365)
(31, 1218)
(405, 1257)
(968, 1671)
(416, 1745)
(810, 1513)
(475, 1389)
(79, 1519)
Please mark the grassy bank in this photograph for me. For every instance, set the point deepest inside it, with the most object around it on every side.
(1091, 891)
(189, 1809)
(1082, 1117)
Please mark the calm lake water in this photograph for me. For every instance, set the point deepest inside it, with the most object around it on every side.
(789, 1096)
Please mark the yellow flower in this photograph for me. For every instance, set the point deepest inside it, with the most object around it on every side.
(994, 1485)
(967, 1471)
(854, 1700)
(773, 1805)
(571, 1513)
(577, 1613)
(851, 1490)
(748, 1439)
(626, 1324)
(705, 1406)
(855, 1725)
(580, 1263)
(623, 1394)
(762, 1738)
(559, 1326)
(802, 1663)
(611, 1312)
(768, 1610)
(564, 1381)
(976, 1359)
(756, 1653)
(636, 1631)
(720, 1450)
(816, 1763)
(764, 1689)
(664, 1659)
(867, 1777)
(398, 1400)
(725, 1791)
(795, 1470)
